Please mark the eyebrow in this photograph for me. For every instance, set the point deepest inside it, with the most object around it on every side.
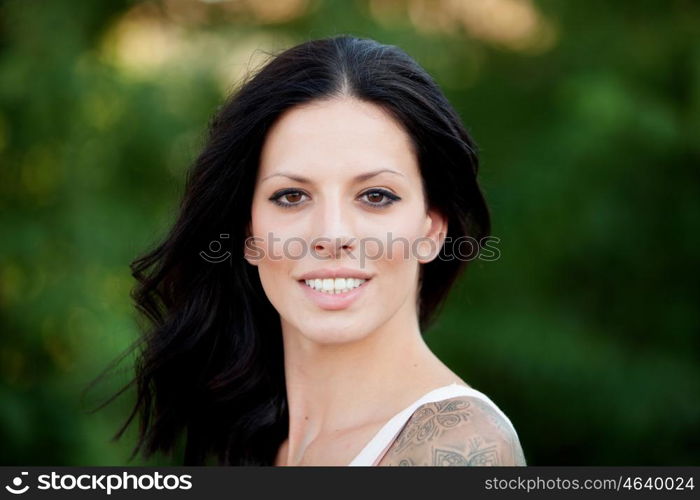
(358, 178)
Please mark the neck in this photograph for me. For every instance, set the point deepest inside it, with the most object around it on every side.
(335, 388)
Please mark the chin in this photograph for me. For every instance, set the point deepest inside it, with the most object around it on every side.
(333, 332)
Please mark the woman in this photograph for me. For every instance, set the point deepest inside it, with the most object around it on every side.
(341, 178)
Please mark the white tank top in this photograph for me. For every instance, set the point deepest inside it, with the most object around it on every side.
(374, 450)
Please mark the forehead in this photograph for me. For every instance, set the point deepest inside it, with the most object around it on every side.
(343, 134)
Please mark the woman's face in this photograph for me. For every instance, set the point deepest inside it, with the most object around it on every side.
(339, 186)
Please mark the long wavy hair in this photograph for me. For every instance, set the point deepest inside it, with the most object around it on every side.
(210, 365)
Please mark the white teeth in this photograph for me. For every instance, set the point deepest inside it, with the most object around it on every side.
(334, 286)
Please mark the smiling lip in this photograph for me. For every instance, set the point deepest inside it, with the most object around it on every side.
(338, 272)
(334, 301)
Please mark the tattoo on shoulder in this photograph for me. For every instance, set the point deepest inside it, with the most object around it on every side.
(458, 431)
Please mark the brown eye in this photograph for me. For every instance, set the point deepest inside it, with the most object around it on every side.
(375, 197)
(293, 197)
(288, 198)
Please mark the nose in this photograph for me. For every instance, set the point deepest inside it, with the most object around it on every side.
(334, 237)
(333, 247)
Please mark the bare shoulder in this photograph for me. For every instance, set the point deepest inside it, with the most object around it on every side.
(463, 430)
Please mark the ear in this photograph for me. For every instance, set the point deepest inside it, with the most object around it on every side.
(434, 234)
(251, 250)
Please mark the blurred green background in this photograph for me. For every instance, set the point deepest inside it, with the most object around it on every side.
(586, 331)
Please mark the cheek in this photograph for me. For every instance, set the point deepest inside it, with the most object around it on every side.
(280, 243)
(391, 251)
(397, 240)
(273, 250)
(276, 279)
